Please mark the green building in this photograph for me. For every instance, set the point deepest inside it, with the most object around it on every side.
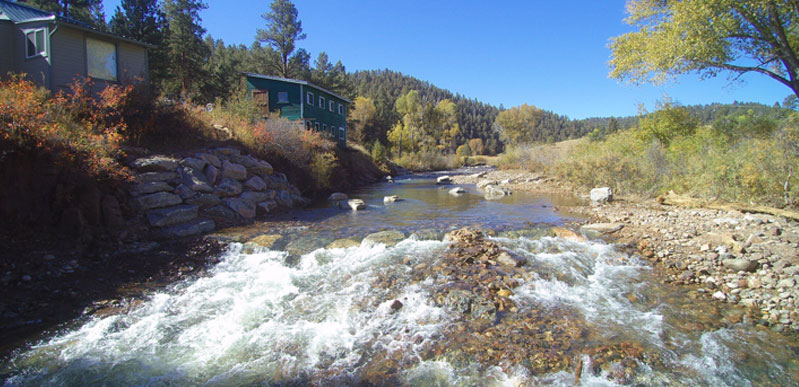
(319, 109)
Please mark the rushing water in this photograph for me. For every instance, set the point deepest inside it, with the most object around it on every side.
(259, 317)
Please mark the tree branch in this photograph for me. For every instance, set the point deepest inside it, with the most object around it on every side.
(746, 69)
(784, 45)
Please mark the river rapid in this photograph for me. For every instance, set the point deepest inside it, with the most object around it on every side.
(384, 311)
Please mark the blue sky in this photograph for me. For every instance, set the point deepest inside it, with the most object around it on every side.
(551, 54)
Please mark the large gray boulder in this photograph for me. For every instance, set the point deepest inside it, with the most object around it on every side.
(444, 180)
(158, 200)
(150, 187)
(601, 195)
(193, 163)
(261, 168)
(255, 197)
(285, 199)
(740, 264)
(228, 187)
(195, 180)
(210, 159)
(492, 192)
(204, 200)
(245, 208)
(255, 183)
(155, 164)
(265, 207)
(213, 174)
(195, 227)
(234, 171)
(148, 177)
(171, 215)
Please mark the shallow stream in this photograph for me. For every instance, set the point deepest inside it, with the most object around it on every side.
(300, 313)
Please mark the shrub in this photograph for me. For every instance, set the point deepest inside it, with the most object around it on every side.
(378, 152)
(79, 129)
(428, 160)
(463, 150)
(476, 146)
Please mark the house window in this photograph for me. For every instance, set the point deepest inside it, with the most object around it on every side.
(341, 109)
(316, 126)
(36, 43)
(282, 97)
(307, 125)
(321, 102)
(309, 98)
(332, 105)
(341, 134)
(101, 59)
(324, 128)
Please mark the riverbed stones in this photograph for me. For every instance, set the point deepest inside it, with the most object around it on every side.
(740, 264)
(601, 195)
(343, 243)
(428, 234)
(602, 228)
(168, 216)
(493, 192)
(388, 238)
(266, 241)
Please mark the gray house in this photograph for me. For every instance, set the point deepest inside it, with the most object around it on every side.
(54, 50)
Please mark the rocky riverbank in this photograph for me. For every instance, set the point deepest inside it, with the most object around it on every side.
(729, 256)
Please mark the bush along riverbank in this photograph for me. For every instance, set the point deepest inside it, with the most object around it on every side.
(731, 256)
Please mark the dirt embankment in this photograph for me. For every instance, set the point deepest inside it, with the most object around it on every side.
(731, 256)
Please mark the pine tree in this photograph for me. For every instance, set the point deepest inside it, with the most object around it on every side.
(144, 21)
(283, 29)
(186, 51)
(87, 11)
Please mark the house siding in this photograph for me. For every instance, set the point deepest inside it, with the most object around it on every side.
(36, 68)
(290, 110)
(69, 57)
(7, 47)
(132, 62)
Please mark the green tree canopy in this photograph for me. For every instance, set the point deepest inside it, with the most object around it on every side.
(708, 36)
(143, 20)
(518, 124)
(362, 120)
(283, 29)
(186, 51)
(89, 11)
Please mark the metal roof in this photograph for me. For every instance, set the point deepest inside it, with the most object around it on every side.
(297, 81)
(20, 13)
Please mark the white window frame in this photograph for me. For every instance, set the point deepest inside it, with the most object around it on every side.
(40, 51)
(341, 132)
(280, 94)
(322, 102)
(341, 109)
(309, 98)
(332, 105)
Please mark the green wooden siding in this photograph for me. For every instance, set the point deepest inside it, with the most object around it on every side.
(298, 107)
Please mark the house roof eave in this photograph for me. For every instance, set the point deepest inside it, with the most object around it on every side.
(295, 81)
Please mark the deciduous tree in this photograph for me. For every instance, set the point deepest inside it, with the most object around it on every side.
(518, 124)
(709, 36)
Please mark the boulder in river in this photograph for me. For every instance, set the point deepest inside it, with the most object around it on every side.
(388, 237)
(356, 204)
(601, 195)
(457, 191)
(740, 264)
(446, 179)
(391, 199)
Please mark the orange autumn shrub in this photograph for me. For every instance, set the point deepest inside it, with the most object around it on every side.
(78, 128)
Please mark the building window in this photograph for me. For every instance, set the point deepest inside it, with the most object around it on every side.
(341, 132)
(36, 43)
(101, 59)
(341, 109)
(316, 126)
(321, 102)
(282, 97)
(332, 105)
(307, 125)
(309, 98)
(324, 128)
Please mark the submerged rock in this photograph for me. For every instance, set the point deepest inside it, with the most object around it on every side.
(388, 238)
(444, 180)
(343, 243)
(391, 199)
(457, 191)
(355, 204)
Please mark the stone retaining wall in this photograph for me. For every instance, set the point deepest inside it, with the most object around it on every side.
(189, 196)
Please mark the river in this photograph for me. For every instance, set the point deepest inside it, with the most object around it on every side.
(297, 313)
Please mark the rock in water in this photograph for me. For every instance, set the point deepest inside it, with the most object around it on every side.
(391, 199)
(457, 191)
(396, 305)
(388, 238)
(601, 195)
(337, 196)
(444, 180)
(356, 204)
(602, 228)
